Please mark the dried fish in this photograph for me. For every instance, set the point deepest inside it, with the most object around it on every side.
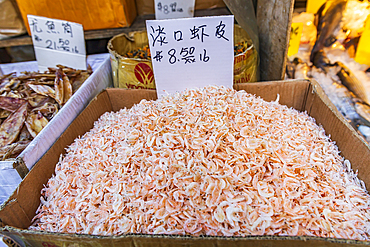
(63, 88)
(13, 150)
(11, 127)
(35, 123)
(11, 104)
(59, 90)
(15, 84)
(6, 84)
(49, 110)
(70, 72)
(36, 75)
(29, 101)
(43, 90)
(25, 135)
(4, 113)
(14, 94)
(37, 100)
(7, 76)
(67, 87)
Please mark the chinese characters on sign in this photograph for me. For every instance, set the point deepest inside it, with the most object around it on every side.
(57, 42)
(159, 36)
(171, 9)
(191, 52)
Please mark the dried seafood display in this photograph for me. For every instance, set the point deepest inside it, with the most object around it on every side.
(29, 101)
(329, 54)
(209, 161)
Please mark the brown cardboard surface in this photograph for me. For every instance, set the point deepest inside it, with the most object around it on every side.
(130, 97)
(91, 14)
(17, 213)
(291, 93)
(47, 239)
(145, 7)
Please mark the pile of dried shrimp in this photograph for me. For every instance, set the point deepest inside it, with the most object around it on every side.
(210, 161)
(29, 101)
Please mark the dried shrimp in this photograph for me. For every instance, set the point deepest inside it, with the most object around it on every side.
(209, 161)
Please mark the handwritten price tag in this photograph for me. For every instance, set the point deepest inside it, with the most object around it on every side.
(170, 9)
(295, 38)
(57, 42)
(191, 52)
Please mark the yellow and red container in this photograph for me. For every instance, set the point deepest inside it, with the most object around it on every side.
(137, 73)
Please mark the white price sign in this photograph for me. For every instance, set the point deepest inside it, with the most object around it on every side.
(57, 42)
(191, 52)
(172, 9)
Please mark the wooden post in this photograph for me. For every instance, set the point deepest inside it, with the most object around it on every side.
(274, 19)
(255, 6)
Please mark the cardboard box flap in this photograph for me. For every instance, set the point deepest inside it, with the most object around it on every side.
(13, 212)
(129, 97)
(19, 209)
(292, 93)
(134, 240)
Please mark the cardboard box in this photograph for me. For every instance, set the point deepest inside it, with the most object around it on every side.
(145, 7)
(304, 95)
(11, 22)
(91, 14)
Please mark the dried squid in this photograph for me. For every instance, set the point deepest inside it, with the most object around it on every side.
(29, 101)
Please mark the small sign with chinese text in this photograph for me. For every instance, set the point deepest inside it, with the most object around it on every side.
(191, 52)
(57, 42)
(172, 9)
